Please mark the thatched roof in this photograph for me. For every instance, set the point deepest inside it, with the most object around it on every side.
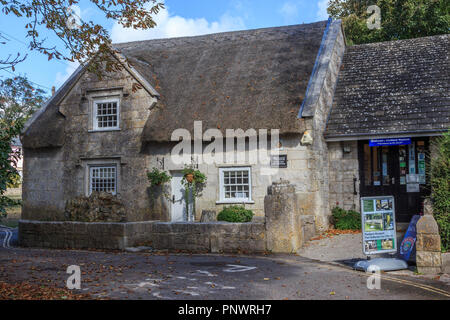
(245, 79)
(393, 87)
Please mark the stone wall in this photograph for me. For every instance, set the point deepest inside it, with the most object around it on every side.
(344, 168)
(52, 177)
(42, 188)
(197, 237)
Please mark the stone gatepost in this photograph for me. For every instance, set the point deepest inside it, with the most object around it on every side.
(283, 229)
(428, 244)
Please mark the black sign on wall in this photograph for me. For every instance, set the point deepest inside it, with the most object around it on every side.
(278, 161)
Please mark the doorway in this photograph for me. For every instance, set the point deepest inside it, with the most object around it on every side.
(396, 170)
(178, 209)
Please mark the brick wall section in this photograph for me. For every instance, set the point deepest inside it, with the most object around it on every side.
(197, 237)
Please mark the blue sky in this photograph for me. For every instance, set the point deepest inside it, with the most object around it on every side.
(180, 18)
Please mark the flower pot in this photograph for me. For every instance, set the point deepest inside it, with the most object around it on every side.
(189, 177)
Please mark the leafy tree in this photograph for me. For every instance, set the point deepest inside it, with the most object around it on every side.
(440, 186)
(400, 19)
(18, 100)
(83, 40)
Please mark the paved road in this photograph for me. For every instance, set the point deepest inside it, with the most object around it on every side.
(8, 237)
(124, 275)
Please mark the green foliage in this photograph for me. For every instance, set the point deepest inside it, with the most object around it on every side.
(157, 177)
(346, 219)
(199, 177)
(235, 214)
(18, 100)
(440, 186)
(8, 160)
(400, 19)
(16, 181)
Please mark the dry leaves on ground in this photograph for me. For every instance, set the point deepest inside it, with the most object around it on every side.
(334, 232)
(27, 291)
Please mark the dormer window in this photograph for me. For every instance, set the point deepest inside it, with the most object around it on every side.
(106, 114)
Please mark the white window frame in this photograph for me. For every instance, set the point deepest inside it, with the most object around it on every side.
(104, 166)
(95, 104)
(222, 185)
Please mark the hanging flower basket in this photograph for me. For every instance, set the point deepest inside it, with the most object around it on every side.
(189, 177)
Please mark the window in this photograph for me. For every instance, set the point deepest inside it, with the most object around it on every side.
(106, 114)
(235, 185)
(103, 178)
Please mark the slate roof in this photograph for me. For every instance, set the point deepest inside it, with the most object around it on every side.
(244, 79)
(393, 87)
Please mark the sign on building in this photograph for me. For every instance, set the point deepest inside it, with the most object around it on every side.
(378, 225)
(389, 142)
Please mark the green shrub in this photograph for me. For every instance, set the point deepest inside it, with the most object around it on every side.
(346, 219)
(235, 214)
(157, 177)
(440, 187)
(15, 181)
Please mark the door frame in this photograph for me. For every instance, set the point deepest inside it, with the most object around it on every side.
(402, 198)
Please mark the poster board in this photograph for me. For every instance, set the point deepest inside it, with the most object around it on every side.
(378, 225)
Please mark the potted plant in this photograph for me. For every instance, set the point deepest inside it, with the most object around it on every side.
(189, 174)
(157, 177)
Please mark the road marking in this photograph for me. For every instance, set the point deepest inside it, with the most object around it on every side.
(7, 238)
(418, 285)
(238, 268)
(406, 282)
(209, 274)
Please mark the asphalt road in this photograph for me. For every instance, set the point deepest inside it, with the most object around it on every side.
(124, 275)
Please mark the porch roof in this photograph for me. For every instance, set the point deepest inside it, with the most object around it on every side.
(399, 87)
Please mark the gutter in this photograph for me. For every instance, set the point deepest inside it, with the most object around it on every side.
(402, 134)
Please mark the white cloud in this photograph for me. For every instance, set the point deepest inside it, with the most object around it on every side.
(170, 26)
(61, 77)
(289, 11)
(322, 13)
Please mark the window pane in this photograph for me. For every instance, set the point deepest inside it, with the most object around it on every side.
(236, 184)
(107, 115)
(103, 179)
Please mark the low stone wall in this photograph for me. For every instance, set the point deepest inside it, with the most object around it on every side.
(210, 237)
(70, 234)
(445, 262)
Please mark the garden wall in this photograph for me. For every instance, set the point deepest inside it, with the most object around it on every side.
(197, 237)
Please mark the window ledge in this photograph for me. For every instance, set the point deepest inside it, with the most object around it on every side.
(236, 202)
(106, 130)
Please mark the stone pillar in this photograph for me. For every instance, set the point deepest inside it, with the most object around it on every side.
(428, 244)
(283, 229)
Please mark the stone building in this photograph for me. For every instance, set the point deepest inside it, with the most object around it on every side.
(324, 99)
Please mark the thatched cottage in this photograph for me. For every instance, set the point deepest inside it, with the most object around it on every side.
(327, 102)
